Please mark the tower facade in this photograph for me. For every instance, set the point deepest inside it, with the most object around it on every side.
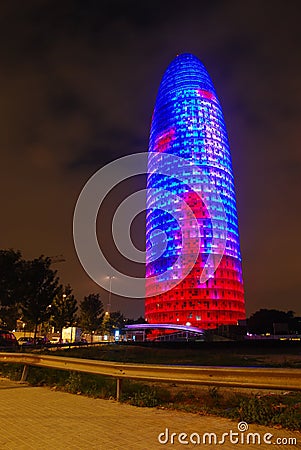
(188, 123)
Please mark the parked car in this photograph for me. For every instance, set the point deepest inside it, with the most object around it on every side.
(8, 339)
(55, 340)
(25, 341)
(42, 340)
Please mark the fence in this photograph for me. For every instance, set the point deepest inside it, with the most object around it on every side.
(243, 377)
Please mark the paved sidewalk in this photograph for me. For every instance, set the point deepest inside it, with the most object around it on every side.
(39, 418)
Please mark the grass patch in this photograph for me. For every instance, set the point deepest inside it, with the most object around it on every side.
(266, 409)
(242, 354)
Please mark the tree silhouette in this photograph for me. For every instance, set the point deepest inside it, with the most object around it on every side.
(263, 321)
(40, 286)
(11, 287)
(114, 321)
(91, 314)
(63, 309)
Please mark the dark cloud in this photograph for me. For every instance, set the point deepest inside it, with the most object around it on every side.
(110, 145)
(78, 83)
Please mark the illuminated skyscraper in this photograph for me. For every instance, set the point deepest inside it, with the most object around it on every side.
(188, 123)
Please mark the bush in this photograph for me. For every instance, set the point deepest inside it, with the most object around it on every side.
(145, 398)
(11, 371)
(74, 383)
(256, 410)
(272, 410)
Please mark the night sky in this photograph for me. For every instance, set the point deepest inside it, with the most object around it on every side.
(78, 84)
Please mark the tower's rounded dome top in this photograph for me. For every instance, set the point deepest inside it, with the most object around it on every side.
(186, 71)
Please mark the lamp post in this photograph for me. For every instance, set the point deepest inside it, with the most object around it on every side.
(61, 331)
(110, 293)
(49, 330)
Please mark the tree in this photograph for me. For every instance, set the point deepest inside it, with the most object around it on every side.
(263, 321)
(63, 309)
(114, 321)
(140, 320)
(40, 286)
(295, 325)
(11, 287)
(91, 314)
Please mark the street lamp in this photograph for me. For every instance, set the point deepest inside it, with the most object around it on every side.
(110, 293)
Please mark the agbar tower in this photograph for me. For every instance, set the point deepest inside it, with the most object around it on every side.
(188, 122)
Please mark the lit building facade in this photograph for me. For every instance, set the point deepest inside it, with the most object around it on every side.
(188, 123)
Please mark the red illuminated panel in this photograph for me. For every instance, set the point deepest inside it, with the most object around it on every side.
(206, 94)
(163, 142)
